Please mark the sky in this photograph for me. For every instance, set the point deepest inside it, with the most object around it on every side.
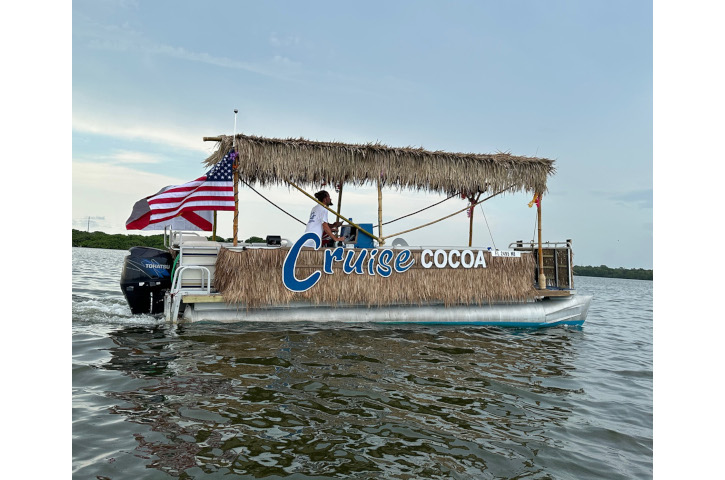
(571, 81)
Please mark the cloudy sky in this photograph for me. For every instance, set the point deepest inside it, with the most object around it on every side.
(566, 80)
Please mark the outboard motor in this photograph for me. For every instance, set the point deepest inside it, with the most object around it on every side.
(145, 277)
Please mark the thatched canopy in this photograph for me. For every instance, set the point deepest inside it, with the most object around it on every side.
(272, 161)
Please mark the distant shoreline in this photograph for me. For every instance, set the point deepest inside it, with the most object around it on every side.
(607, 272)
(124, 242)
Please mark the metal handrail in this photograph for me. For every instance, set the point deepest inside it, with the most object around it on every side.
(176, 285)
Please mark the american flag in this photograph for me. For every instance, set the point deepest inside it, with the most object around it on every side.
(213, 191)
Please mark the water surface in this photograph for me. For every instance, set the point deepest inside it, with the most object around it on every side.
(152, 400)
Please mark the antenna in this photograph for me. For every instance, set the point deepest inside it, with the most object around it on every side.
(235, 121)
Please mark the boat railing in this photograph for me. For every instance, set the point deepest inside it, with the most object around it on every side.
(530, 245)
(557, 261)
(174, 297)
(204, 288)
(283, 243)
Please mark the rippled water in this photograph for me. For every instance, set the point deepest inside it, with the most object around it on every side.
(301, 401)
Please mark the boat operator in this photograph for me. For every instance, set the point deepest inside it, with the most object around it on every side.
(319, 225)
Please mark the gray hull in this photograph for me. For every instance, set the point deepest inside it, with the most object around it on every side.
(570, 310)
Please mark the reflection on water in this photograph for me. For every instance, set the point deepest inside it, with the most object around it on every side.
(407, 403)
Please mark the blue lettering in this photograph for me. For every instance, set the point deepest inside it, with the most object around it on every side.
(403, 257)
(383, 267)
(365, 262)
(330, 256)
(348, 267)
(290, 261)
(371, 262)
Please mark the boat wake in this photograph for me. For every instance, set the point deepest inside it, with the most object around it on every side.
(109, 310)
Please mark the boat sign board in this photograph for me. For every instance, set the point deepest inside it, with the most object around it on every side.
(505, 253)
(372, 261)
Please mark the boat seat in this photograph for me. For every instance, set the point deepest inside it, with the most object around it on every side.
(182, 239)
(199, 243)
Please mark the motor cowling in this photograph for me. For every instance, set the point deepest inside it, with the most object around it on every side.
(145, 278)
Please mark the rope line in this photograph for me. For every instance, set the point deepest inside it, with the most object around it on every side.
(487, 226)
(270, 201)
(422, 209)
(448, 216)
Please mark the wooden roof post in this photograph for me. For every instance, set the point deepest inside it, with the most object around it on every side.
(470, 224)
(542, 277)
(380, 213)
(470, 221)
(339, 202)
(236, 198)
(236, 180)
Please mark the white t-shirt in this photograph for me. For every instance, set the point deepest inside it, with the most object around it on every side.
(318, 216)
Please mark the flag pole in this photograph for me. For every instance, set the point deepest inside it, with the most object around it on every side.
(236, 179)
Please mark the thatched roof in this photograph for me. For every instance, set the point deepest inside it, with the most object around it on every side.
(272, 161)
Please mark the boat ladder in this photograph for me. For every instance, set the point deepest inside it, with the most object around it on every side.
(174, 297)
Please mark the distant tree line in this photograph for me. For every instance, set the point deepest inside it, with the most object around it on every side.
(115, 241)
(605, 271)
(124, 242)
